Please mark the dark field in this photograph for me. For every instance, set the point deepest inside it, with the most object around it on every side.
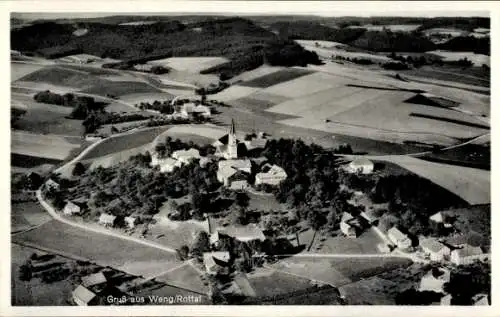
(470, 76)
(276, 78)
(119, 88)
(27, 161)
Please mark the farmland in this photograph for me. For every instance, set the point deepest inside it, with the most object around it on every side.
(119, 88)
(272, 283)
(477, 59)
(27, 214)
(185, 276)
(366, 243)
(19, 70)
(275, 78)
(118, 253)
(52, 147)
(190, 64)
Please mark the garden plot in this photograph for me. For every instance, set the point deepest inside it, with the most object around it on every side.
(190, 64)
(19, 70)
(306, 85)
(36, 145)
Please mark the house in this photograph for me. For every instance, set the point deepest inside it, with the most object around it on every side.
(398, 238)
(346, 227)
(186, 156)
(131, 222)
(143, 67)
(259, 161)
(93, 279)
(233, 170)
(52, 185)
(84, 297)
(435, 249)
(467, 255)
(227, 146)
(480, 300)
(446, 300)
(107, 219)
(216, 262)
(460, 240)
(239, 165)
(192, 108)
(204, 161)
(360, 165)
(271, 175)
(169, 164)
(434, 280)
(238, 185)
(440, 219)
(255, 143)
(72, 209)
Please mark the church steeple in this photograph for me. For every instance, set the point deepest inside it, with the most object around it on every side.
(232, 143)
(232, 131)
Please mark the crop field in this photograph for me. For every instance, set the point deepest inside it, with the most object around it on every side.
(359, 268)
(22, 91)
(124, 142)
(449, 31)
(233, 92)
(392, 27)
(275, 283)
(174, 233)
(209, 132)
(61, 76)
(35, 292)
(47, 146)
(186, 277)
(450, 75)
(366, 243)
(120, 88)
(276, 78)
(371, 291)
(477, 59)
(259, 101)
(117, 157)
(255, 73)
(314, 269)
(118, 253)
(323, 44)
(27, 214)
(19, 70)
(470, 184)
(190, 64)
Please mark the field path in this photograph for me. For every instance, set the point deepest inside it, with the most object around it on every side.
(58, 217)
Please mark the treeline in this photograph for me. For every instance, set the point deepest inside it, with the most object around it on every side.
(468, 44)
(164, 107)
(82, 106)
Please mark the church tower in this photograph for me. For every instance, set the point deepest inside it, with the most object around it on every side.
(232, 144)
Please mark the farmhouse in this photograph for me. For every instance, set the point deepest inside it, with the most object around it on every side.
(93, 279)
(271, 175)
(233, 170)
(72, 209)
(434, 280)
(84, 297)
(398, 238)
(51, 185)
(204, 161)
(434, 249)
(346, 227)
(186, 156)
(480, 299)
(440, 218)
(216, 262)
(238, 185)
(467, 255)
(191, 108)
(131, 222)
(360, 165)
(107, 219)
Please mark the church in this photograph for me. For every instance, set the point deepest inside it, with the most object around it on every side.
(227, 146)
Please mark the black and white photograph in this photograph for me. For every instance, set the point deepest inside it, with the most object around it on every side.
(318, 157)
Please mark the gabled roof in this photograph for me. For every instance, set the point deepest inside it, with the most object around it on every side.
(361, 161)
(468, 250)
(93, 279)
(83, 294)
(71, 205)
(226, 172)
(346, 217)
(236, 164)
(106, 217)
(437, 217)
(432, 244)
(398, 235)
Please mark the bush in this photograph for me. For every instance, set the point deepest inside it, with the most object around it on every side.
(79, 169)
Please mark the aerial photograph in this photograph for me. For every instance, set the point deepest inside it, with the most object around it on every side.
(250, 159)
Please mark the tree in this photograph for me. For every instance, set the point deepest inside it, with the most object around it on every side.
(79, 169)
(25, 272)
(183, 252)
(242, 199)
(201, 244)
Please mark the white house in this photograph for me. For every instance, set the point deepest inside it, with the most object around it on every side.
(435, 249)
(360, 165)
(439, 218)
(93, 279)
(480, 300)
(446, 300)
(169, 164)
(346, 227)
(216, 262)
(434, 280)
(398, 238)
(131, 222)
(467, 255)
(238, 185)
(71, 209)
(191, 108)
(272, 175)
(107, 219)
(83, 297)
(239, 165)
(204, 161)
(186, 156)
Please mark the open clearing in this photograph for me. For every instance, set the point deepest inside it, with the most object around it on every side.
(190, 64)
(126, 255)
(470, 184)
(47, 146)
(329, 50)
(477, 59)
(19, 70)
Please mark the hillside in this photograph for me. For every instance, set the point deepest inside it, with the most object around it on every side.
(244, 43)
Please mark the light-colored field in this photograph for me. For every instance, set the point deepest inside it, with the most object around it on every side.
(277, 283)
(190, 64)
(306, 85)
(146, 97)
(80, 32)
(186, 277)
(392, 27)
(79, 58)
(117, 157)
(448, 31)
(233, 93)
(323, 44)
(327, 52)
(42, 86)
(48, 146)
(19, 70)
(472, 185)
(122, 77)
(174, 234)
(138, 23)
(255, 73)
(105, 250)
(366, 243)
(477, 59)
(318, 269)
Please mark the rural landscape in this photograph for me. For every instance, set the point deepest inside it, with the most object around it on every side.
(250, 160)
